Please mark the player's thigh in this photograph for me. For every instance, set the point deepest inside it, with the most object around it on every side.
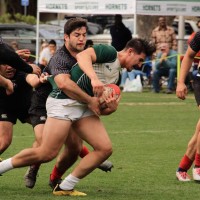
(73, 140)
(38, 131)
(6, 131)
(55, 133)
(92, 130)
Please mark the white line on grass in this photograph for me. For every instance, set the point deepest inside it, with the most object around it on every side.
(153, 104)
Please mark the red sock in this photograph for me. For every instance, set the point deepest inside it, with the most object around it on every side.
(185, 163)
(84, 151)
(197, 160)
(55, 174)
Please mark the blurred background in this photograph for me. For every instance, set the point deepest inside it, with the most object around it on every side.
(18, 23)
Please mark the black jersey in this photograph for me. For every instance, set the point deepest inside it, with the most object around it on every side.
(195, 42)
(16, 105)
(60, 63)
(195, 46)
(21, 96)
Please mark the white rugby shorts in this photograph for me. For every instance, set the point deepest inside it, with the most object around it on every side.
(67, 109)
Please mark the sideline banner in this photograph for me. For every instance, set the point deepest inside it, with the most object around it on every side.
(159, 7)
(87, 6)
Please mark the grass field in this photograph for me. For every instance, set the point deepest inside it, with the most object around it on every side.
(150, 133)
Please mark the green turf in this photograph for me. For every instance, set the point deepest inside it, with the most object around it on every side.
(150, 133)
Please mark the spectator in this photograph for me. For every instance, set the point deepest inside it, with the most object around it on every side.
(120, 34)
(165, 66)
(14, 45)
(130, 75)
(44, 44)
(164, 34)
(47, 53)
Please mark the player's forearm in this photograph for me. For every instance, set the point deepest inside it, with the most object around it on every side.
(9, 57)
(3, 81)
(185, 67)
(71, 89)
(85, 60)
(33, 80)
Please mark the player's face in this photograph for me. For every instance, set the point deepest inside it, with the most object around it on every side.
(134, 59)
(7, 71)
(52, 48)
(77, 39)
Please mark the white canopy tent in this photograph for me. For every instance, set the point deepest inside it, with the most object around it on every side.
(169, 7)
(80, 7)
(124, 7)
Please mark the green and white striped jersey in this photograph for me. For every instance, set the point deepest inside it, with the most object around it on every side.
(107, 68)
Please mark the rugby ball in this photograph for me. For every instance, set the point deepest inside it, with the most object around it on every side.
(110, 89)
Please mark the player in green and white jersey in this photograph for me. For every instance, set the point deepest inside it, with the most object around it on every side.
(96, 66)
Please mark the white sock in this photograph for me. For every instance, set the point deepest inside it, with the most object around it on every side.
(69, 182)
(6, 165)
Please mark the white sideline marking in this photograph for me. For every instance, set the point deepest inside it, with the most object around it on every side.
(153, 104)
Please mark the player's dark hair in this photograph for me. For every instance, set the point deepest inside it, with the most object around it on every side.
(74, 23)
(141, 46)
(52, 42)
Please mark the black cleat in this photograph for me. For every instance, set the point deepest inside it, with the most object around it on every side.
(106, 166)
(53, 183)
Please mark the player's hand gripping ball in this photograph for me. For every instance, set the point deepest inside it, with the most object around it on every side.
(109, 89)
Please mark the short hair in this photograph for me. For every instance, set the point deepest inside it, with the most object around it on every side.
(89, 43)
(74, 23)
(52, 42)
(141, 46)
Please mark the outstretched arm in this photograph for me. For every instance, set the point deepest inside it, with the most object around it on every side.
(9, 57)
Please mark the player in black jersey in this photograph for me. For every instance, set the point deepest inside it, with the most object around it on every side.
(14, 106)
(60, 64)
(192, 153)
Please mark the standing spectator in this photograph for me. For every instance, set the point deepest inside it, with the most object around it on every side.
(164, 34)
(47, 53)
(120, 34)
(165, 66)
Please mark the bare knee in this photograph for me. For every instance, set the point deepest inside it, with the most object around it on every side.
(105, 150)
(46, 156)
(108, 151)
